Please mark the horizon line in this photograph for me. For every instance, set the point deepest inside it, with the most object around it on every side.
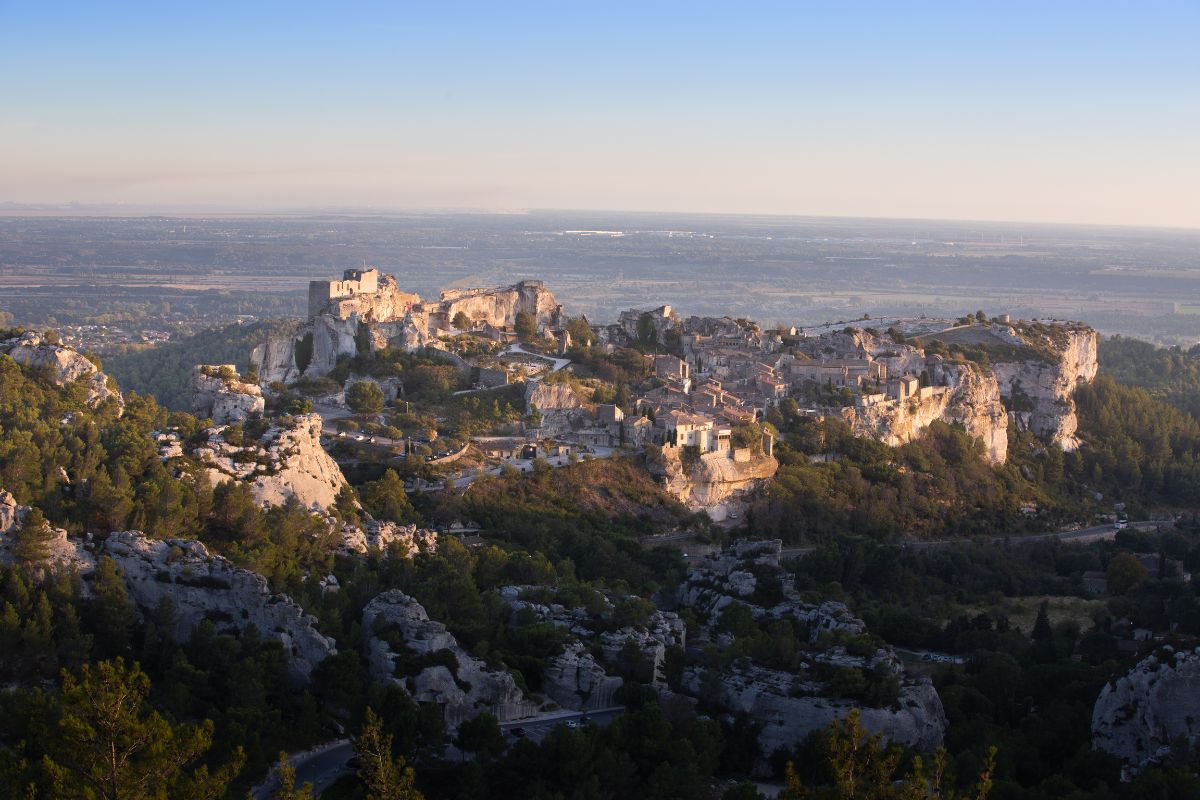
(67, 209)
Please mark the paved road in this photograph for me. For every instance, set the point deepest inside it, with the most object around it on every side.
(1096, 533)
(555, 363)
(320, 768)
(325, 765)
(539, 727)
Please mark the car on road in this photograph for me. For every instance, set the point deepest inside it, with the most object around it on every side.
(520, 733)
(572, 723)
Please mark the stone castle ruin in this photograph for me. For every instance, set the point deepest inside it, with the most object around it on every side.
(367, 311)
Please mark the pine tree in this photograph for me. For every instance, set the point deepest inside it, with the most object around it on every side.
(384, 777)
(112, 746)
(31, 543)
(287, 783)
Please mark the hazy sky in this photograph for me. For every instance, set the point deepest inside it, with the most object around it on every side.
(1044, 111)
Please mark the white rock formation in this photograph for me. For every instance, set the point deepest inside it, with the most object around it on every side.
(464, 691)
(218, 393)
(62, 364)
(1049, 386)
(714, 479)
(962, 393)
(201, 587)
(1141, 716)
(288, 461)
(380, 535)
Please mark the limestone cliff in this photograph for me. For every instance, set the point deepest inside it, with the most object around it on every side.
(963, 393)
(62, 365)
(405, 646)
(1141, 716)
(219, 394)
(1039, 392)
(713, 478)
(201, 587)
(287, 461)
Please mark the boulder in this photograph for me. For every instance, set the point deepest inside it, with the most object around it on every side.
(201, 587)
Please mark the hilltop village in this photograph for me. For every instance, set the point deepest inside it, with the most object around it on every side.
(695, 395)
(505, 521)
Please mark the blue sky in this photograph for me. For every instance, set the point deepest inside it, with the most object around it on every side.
(1049, 111)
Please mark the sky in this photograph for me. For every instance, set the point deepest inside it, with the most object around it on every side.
(1048, 111)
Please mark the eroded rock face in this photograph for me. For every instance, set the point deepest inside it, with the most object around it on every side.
(962, 394)
(1040, 394)
(275, 359)
(400, 634)
(220, 394)
(574, 679)
(288, 461)
(62, 364)
(201, 587)
(561, 408)
(380, 535)
(1139, 717)
(714, 479)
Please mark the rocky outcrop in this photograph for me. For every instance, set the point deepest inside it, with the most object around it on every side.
(790, 705)
(789, 708)
(574, 679)
(275, 359)
(61, 550)
(714, 478)
(405, 646)
(1039, 392)
(561, 407)
(218, 393)
(962, 393)
(1142, 716)
(499, 307)
(200, 586)
(662, 630)
(62, 365)
(287, 461)
(381, 535)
